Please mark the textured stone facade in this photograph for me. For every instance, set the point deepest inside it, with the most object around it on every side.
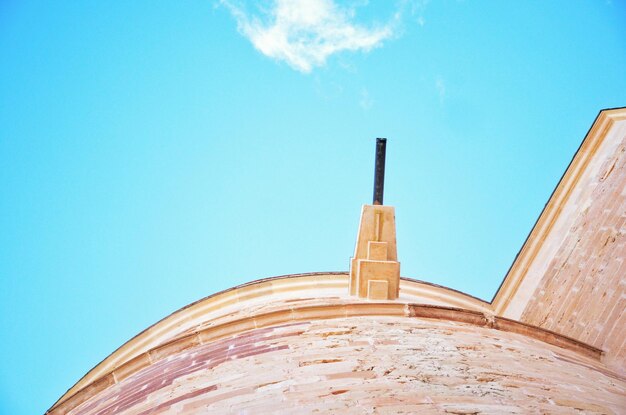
(570, 277)
(367, 365)
(262, 297)
(583, 291)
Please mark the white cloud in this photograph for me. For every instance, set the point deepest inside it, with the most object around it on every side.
(304, 33)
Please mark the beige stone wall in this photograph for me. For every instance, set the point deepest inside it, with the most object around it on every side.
(583, 291)
(381, 364)
(570, 276)
(260, 297)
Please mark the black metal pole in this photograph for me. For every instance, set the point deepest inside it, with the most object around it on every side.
(379, 171)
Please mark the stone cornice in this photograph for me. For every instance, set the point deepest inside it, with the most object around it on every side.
(212, 309)
(216, 316)
(297, 314)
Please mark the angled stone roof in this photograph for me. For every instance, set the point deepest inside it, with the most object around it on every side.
(570, 275)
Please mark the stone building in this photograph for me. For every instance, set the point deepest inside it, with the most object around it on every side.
(369, 341)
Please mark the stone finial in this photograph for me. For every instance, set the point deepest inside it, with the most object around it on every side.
(374, 269)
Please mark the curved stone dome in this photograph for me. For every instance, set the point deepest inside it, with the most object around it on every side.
(368, 341)
(301, 344)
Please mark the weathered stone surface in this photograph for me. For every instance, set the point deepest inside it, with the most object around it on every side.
(258, 297)
(570, 276)
(367, 365)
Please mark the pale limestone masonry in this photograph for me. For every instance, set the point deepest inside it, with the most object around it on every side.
(357, 365)
(369, 342)
(374, 269)
(570, 276)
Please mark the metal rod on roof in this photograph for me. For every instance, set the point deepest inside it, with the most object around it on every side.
(379, 171)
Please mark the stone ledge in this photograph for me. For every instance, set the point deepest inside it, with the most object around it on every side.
(296, 314)
(213, 307)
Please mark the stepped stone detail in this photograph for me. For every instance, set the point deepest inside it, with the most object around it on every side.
(374, 269)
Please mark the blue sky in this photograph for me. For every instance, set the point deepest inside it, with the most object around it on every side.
(153, 153)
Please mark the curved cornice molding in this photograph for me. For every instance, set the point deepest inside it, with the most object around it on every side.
(297, 314)
(283, 299)
(240, 299)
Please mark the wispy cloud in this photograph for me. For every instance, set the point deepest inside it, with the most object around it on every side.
(304, 33)
(441, 88)
(417, 9)
(366, 102)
